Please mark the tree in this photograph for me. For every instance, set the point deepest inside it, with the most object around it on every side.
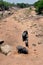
(39, 6)
(22, 5)
(5, 5)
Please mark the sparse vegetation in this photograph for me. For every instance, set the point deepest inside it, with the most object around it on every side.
(5, 5)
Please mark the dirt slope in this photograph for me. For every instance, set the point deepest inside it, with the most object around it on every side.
(11, 30)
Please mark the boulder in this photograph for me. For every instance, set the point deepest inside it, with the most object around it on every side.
(5, 49)
(22, 50)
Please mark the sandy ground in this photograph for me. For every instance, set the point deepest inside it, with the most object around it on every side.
(11, 30)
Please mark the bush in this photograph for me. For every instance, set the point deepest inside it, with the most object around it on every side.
(39, 6)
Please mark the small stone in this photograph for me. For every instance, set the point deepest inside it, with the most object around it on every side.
(34, 49)
(34, 44)
(39, 43)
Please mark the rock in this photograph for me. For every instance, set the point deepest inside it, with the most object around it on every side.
(22, 50)
(5, 49)
(34, 49)
(34, 44)
(39, 43)
(1, 42)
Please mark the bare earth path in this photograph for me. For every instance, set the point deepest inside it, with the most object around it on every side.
(11, 30)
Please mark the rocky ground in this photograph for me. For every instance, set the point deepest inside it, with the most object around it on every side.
(11, 29)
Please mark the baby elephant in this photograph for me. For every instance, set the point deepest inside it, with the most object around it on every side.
(22, 50)
(25, 37)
